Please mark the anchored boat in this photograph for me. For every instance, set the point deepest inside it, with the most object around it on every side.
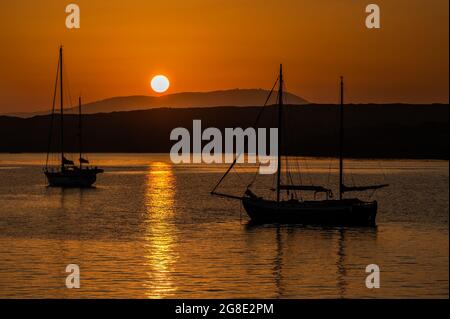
(66, 173)
(341, 211)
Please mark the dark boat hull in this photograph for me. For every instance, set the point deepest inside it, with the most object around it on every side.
(347, 212)
(73, 178)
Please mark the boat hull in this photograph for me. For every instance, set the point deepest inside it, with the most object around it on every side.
(73, 178)
(347, 212)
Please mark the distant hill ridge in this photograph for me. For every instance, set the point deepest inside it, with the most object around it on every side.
(371, 131)
(233, 97)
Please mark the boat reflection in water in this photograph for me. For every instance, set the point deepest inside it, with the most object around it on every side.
(160, 232)
(295, 271)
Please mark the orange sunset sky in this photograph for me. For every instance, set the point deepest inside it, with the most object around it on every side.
(204, 45)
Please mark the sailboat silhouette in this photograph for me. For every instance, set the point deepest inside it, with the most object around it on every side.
(67, 174)
(341, 211)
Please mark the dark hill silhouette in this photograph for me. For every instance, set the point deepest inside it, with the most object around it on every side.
(235, 97)
(383, 131)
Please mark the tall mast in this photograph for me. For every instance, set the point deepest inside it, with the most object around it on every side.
(280, 110)
(62, 112)
(341, 139)
(79, 129)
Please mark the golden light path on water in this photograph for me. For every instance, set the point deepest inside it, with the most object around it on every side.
(160, 235)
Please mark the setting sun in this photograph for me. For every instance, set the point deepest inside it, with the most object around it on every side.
(160, 83)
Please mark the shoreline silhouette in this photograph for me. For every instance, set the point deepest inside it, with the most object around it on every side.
(375, 130)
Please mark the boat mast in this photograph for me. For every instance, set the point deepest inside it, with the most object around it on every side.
(62, 112)
(341, 139)
(280, 110)
(79, 129)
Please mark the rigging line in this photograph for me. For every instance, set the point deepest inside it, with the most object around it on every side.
(265, 103)
(351, 171)
(335, 133)
(288, 172)
(254, 176)
(66, 76)
(300, 177)
(382, 171)
(330, 162)
(297, 166)
(273, 182)
(69, 98)
(352, 177)
(286, 142)
(67, 136)
(295, 160)
(238, 175)
(256, 122)
(283, 139)
(372, 194)
(329, 172)
(346, 131)
(81, 118)
(308, 171)
(52, 116)
(240, 213)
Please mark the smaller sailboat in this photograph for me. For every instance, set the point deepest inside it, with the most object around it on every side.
(342, 211)
(66, 173)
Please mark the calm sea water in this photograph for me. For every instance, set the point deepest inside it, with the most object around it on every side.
(150, 229)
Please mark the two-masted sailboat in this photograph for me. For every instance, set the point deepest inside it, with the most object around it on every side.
(341, 211)
(66, 173)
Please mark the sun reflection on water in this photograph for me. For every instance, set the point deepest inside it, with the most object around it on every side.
(160, 232)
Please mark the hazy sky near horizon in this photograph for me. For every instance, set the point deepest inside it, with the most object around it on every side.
(203, 45)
